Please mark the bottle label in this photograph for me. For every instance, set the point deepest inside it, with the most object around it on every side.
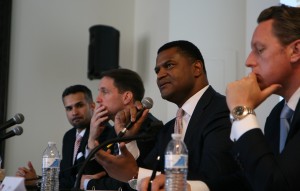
(176, 161)
(50, 162)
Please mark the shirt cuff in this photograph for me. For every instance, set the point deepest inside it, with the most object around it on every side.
(198, 185)
(85, 183)
(239, 127)
(133, 149)
(87, 152)
(143, 173)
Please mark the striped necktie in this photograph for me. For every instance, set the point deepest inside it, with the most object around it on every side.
(285, 119)
(178, 123)
(76, 146)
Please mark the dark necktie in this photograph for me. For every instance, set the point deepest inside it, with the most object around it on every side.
(285, 119)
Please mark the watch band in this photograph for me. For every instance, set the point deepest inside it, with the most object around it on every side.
(240, 112)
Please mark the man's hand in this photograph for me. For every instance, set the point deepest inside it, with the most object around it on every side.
(28, 173)
(121, 167)
(94, 176)
(128, 115)
(100, 117)
(158, 184)
(246, 92)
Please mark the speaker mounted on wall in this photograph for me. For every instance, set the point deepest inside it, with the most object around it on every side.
(103, 50)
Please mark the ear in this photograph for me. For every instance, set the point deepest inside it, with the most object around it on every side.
(198, 68)
(93, 105)
(127, 97)
(295, 55)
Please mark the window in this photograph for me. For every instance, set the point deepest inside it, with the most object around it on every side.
(294, 3)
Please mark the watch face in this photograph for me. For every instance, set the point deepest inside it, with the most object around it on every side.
(133, 183)
(239, 110)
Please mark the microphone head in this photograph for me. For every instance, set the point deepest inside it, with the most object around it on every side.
(147, 102)
(18, 118)
(18, 130)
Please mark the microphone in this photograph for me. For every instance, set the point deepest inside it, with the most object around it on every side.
(17, 119)
(16, 131)
(147, 103)
(148, 135)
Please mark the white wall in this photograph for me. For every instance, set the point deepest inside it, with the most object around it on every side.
(151, 30)
(49, 53)
(218, 29)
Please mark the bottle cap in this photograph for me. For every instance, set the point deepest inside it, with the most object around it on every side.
(51, 143)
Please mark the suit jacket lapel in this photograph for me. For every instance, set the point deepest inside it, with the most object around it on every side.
(197, 113)
(82, 147)
(272, 127)
(70, 147)
(295, 124)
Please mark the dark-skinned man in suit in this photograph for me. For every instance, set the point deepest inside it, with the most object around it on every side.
(182, 79)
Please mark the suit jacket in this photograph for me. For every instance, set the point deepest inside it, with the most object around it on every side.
(68, 170)
(258, 155)
(206, 138)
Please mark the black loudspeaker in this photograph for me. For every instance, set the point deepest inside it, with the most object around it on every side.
(103, 50)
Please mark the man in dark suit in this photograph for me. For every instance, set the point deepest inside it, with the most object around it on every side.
(79, 107)
(182, 79)
(270, 161)
(118, 89)
(122, 87)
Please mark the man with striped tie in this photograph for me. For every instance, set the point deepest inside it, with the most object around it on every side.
(79, 106)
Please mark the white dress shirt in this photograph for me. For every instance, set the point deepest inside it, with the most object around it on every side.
(188, 108)
(250, 122)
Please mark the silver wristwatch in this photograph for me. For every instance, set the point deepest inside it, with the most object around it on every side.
(133, 183)
(240, 112)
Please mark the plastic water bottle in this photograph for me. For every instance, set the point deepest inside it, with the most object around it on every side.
(50, 168)
(176, 164)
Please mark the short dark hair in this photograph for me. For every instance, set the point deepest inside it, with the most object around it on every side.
(76, 89)
(186, 48)
(126, 80)
(286, 26)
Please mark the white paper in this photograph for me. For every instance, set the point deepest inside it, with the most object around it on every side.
(11, 183)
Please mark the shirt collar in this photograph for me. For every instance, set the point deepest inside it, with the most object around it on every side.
(81, 132)
(292, 103)
(189, 106)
